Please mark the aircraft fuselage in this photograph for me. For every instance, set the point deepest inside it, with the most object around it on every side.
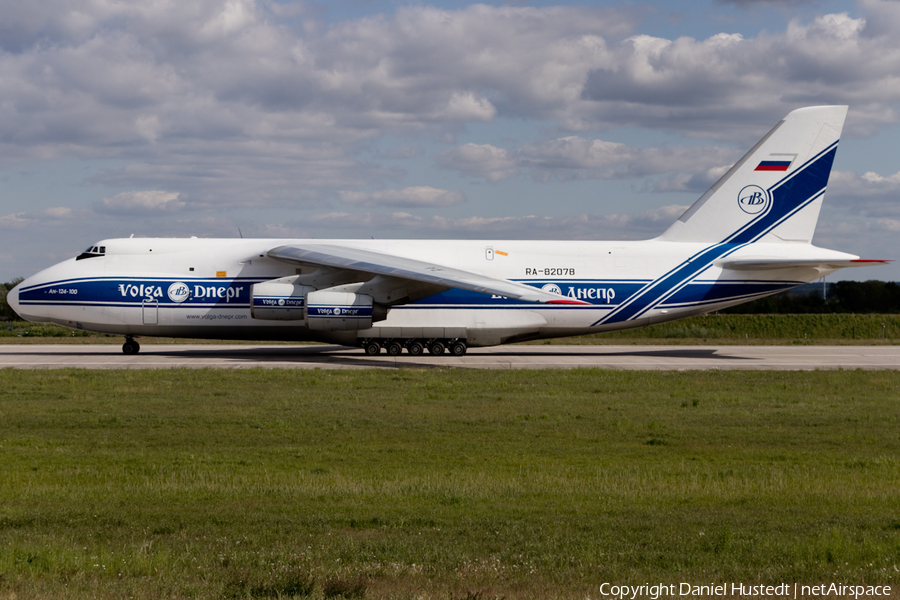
(201, 288)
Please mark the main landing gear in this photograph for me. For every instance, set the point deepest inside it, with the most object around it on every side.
(130, 346)
(394, 347)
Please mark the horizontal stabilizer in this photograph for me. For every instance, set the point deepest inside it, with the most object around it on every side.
(767, 264)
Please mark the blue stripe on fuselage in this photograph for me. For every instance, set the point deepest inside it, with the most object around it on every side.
(697, 293)
(133, 291)
(601, 294)
(598, 292)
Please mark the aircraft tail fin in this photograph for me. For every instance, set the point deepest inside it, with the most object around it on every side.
(774, 193)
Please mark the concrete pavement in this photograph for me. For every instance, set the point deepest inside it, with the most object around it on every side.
(154, 356)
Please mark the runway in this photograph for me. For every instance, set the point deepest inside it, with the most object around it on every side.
(677, 358)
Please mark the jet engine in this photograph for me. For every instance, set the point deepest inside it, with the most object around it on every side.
(279, 300)
(323, 310)
(342, 311)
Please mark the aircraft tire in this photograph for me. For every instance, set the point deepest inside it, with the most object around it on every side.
(415, 348)
(394, 348)
(372, 348)
(130, 347)
(436, 348)
(458, 348)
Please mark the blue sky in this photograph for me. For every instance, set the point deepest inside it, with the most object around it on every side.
(358, 119)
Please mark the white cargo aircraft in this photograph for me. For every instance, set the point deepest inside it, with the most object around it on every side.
(747, 237)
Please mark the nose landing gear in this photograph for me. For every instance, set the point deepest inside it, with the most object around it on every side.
(130, 346)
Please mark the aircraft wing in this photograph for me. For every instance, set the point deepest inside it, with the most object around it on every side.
(766, 263)
(378, 263)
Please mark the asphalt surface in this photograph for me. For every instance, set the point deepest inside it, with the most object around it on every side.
(676, 358)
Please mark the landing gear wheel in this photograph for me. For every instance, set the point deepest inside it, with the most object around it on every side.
(436, 348)
(415, 348)
(130, 347)
(372, 348)
(458, 348)
(394, 349)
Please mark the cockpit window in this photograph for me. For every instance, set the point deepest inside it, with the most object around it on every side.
(92, 252)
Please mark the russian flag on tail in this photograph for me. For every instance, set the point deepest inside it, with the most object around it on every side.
(773, 165)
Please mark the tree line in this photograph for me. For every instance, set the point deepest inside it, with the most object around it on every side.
(842, 297)
(6, 311)
(881, 297)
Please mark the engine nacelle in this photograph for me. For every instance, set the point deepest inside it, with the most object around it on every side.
(279, 300)
(341, 311)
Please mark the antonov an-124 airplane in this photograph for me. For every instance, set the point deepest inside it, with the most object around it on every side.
(747, 237)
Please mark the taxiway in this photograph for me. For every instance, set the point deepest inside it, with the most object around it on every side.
(155, 356)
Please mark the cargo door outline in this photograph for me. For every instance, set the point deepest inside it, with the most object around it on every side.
(150, 312)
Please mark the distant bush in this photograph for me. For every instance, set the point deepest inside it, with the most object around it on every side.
(6, 311)
(771, 327)
(842, 297)
(691, 330)
(20, 328)
(867, 296)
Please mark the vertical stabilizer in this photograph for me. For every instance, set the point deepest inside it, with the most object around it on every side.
(775, 191)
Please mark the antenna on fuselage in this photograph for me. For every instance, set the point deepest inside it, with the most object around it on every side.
(240, 234)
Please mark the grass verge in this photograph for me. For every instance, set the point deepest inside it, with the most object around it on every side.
(719, 329)
(442, 484)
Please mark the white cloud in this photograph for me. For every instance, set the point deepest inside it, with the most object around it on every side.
(14, 221)
(119, 75)
(579, 157)
(868, 183)
(867, 195)
(41, 218)
(479, 160)
(202, 95)
(588, 227)
(890, 225)
(417, 196)
(690, 182)
(465, 107)
(715, 87)
(139, 203)
(197, 78)
(575, 157)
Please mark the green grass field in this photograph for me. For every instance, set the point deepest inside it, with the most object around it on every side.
(717, 329)
(442, 484)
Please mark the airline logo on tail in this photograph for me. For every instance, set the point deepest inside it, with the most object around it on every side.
(753, 199)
